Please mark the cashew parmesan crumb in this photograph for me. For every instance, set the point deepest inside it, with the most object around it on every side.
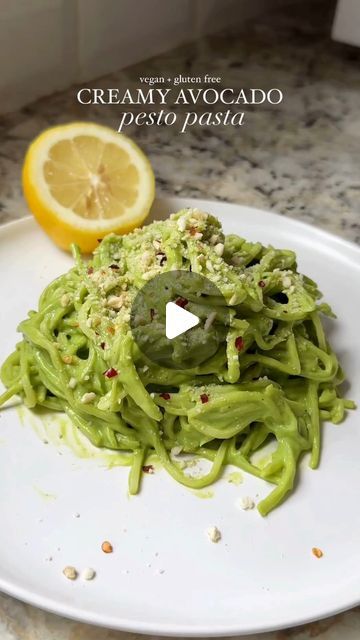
(64, 300)
(116, 302)
(214, 534)
(181, 223)
(88, 574)
(246, 503)
(175, 451)
(70, 573)
(286, 282)
(72, 383)
(88, 397)
(317, 552)
(219, 249)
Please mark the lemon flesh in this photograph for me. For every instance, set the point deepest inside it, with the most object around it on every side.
(82, 181)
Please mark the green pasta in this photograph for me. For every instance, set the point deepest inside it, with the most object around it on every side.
(271, 377)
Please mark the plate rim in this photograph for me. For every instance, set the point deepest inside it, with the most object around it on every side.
(83, 615)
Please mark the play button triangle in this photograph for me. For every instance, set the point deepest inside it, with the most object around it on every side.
(178, 320)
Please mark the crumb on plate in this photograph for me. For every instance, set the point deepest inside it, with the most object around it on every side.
(88, 574)
(214, 534)
(70, 573)
(246, 503)
(107, 547)
(148, 468)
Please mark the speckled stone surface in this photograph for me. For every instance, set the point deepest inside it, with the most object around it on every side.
(300, 158)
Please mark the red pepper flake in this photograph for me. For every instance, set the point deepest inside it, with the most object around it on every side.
(110, 373)
(192, 231)
(111, 330)
(102, 345)
(204, 398)
(114, 266)
(165, 396)
(148, 468)
(239, 343)
(262, 284)
(152, 314)
(99, 240)
(181, 302)
(107, 547)
(90, 270)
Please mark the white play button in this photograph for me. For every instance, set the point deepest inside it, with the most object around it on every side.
(178, 320)
(165, 330)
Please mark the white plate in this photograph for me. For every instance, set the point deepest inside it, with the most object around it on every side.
(262, 575)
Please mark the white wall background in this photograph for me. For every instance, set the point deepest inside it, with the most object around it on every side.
(46, 45)
(346, 26)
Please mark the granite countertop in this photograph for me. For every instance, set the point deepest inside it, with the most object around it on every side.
(300, 158)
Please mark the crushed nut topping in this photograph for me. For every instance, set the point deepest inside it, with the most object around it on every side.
(88, 574)
(87, 398)
(64, 300)
(246, 503)
(214, 534)
(70, 573)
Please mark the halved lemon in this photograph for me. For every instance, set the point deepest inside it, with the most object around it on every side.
(83, 180)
